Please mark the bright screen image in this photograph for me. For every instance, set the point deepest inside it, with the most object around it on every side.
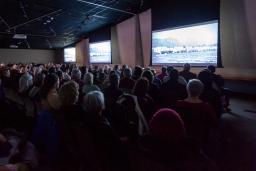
(197, 45)
(100, 52)
(70, 55)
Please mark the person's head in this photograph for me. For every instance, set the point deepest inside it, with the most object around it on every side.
(124, 67)
(39, 79)
(166, 127)
(148, 75)
(169, 69)
(195, 88)
(137, 72)
(60, 74)
(205, 76)
(211, 68)
(114, 79)
(76, 74)
(94, 103)
(174, 74)
(7, 73)
(52, 70)
(141, 87)
(164, 69)
(116, 68)
(69, 93)
(127, 72)
(186, 67)
(88, 79)
(51, 81)
(101, 77)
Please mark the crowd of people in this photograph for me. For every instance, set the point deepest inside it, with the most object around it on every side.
(65, 117)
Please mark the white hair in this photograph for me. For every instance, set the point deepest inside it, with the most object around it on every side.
(88, 78)
(76, 73)
(94, 102)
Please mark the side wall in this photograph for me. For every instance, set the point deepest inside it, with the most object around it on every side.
(29, 56)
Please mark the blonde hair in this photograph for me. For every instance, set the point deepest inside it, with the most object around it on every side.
(69, 93)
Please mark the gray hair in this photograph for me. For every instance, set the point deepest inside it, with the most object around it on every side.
(76, 73)
(195, 88)
(88, 78)
(69, 93)
(127, 72)
(94, 102)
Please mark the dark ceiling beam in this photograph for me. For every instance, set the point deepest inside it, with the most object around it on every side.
(6, 24)
(36, 35)
(35, 19)
(106, 7)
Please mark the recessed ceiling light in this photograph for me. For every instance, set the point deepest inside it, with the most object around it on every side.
(48, 21)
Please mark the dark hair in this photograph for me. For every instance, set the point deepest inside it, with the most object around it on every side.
(170, 68)
(113, 79)
(39, 79)
(60, 74)
(164, 69)
(149, 75)
(211, 68)
(137, 72)
(141, 87)
(49, 82)
(174, 75)
(52, 70)
(206, 77)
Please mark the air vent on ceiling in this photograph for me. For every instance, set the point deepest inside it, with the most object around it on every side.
(20, 36)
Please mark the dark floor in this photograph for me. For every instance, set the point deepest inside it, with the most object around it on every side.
(237, 148)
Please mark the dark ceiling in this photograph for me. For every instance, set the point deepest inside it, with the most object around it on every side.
(53, 24)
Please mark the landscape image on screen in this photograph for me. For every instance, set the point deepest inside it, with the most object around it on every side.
(100, 52)
(197, 45)
(70, 55)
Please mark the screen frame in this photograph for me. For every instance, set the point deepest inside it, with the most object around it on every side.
(64, 55)
(110, 52)
(192, 64)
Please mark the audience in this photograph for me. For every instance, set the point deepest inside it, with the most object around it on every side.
(91, 123)
(185, 73)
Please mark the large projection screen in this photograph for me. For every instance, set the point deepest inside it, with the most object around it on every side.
(195, 44)
(70, 55)
(100, 52)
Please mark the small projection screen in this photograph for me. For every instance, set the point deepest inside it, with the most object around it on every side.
(100, 52)
(195, 44)
(70, 55)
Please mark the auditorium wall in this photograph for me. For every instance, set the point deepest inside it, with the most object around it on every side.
(29, 56)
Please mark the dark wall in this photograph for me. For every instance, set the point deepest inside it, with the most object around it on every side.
(174, 13)
(101, 34)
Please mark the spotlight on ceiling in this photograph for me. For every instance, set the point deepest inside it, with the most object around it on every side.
(20, 36)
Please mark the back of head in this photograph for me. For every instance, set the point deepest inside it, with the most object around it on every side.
(137, 72)
(195, 87)
(93, 102)
(114, 79)
(76, 74)
(211, 68)
(149, 75)
(186, 67)
(88, 78)
(39, 79)
(174, 75)
(164, 69)
(166, 127)
(50, 82)
(141, 87)
(69, 93)
(205, 76)
(169, 69)
(127, 72)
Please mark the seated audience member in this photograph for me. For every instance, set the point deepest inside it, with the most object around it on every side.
(218, 84)
(117, 70)
(209, 94)
(185, 73)
(163, 74)
(156, 80)
(66, 76)
(61, 77)
(16, 153)
(88, 84)
(127, 83)
(25, 81)
(46, 135)
(169, 145)
(108, 148)
(6, 78)
(137, 73)
(153, 89)
(172, 91)
(122, 70)
(198, 116)
(181, 80)
(146, 102)
(76, 76)
(112, 92)
(100, 80)
(34, 93)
